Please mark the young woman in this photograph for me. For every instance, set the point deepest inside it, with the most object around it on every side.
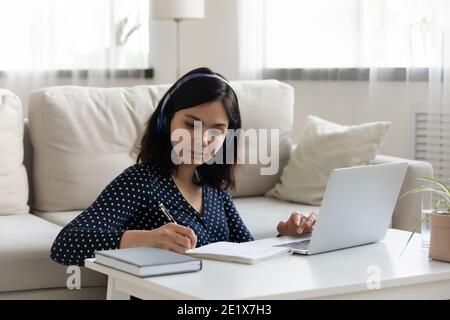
(195, 192)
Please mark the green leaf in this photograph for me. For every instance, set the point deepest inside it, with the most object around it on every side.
(442, 185)
(428, 189)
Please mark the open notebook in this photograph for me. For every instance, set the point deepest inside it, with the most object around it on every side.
(237, 252)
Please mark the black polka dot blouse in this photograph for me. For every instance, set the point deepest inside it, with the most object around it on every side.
(130, 202)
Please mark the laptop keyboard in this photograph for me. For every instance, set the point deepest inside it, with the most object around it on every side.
(301, 245)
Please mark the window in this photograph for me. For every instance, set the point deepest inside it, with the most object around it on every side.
(355, 33)
(74, 34)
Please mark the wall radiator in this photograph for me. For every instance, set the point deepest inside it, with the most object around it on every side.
(433, 141)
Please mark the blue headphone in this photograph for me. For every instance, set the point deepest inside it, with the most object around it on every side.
(161, 121)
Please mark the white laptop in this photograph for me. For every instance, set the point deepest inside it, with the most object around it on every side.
(356, 209)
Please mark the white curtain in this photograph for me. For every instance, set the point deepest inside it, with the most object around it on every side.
(417, 34)
(83, 42)
(251, 38)
(400, 44)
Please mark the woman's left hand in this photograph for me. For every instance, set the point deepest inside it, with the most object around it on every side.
(297, 224)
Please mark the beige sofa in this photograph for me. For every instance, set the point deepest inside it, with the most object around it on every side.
(55, 163)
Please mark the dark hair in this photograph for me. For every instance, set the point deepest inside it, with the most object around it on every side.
(156, 146)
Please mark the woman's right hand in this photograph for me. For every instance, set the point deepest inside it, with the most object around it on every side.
(170, 236)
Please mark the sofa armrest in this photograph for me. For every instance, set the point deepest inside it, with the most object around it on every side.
(407, 211)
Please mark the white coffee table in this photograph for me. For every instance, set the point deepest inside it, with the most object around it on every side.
(351, 273)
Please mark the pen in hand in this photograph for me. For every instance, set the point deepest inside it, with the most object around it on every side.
(166, 213)
(168, 216)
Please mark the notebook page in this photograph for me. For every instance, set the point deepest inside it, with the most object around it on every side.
(241, 251)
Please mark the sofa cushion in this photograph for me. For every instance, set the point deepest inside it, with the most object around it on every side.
(84, 137)
(61, 218)
(13, 176)
(25, 242)
(262, 214)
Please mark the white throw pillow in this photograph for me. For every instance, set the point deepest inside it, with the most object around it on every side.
(325, 146)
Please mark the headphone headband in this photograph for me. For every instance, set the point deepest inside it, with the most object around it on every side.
(161, 116)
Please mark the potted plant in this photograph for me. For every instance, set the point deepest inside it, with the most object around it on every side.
(439, 218)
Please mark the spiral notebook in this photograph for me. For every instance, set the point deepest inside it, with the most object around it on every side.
(237, 252)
